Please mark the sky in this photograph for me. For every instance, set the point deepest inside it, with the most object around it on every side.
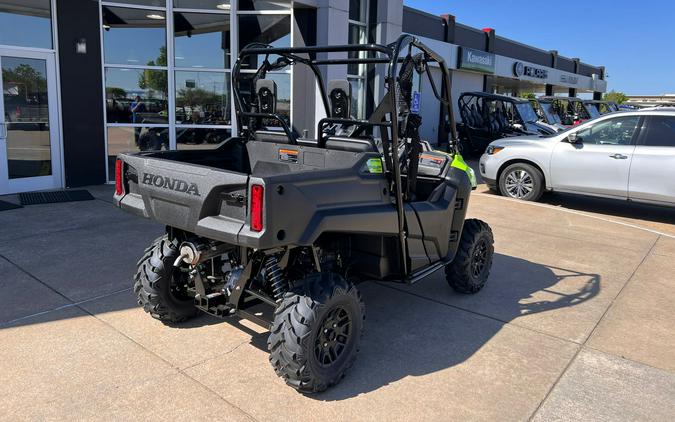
(634, 40)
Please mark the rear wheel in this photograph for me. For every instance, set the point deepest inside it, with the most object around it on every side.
(522, 181)
(316, 332)
(160, 287)
(470, 269)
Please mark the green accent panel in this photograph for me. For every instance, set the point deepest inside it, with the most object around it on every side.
(374, 165)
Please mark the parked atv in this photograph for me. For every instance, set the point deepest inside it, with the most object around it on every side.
(278, 229)
(488, 117)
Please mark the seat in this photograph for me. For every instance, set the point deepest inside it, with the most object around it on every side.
(343, 143)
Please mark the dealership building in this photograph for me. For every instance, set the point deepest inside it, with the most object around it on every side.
(83, 80)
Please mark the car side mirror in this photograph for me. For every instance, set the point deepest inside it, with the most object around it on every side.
(573, 138)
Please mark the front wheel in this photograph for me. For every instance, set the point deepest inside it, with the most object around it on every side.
(470, 269)
(316, 332)
(522, 181)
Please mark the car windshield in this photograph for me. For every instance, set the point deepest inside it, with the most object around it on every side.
(526, 112)
(551, 116)
(592, 110)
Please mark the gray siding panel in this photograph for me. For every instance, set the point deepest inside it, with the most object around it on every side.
(469, 37)
(423, 24)
(508, 48)
(588, 70)
(565, 64)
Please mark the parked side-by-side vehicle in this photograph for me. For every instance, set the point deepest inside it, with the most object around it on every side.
(486, 117)
(278, 227)
(628, 155)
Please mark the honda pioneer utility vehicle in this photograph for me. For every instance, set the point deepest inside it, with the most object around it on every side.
(277, 228)
(488, 117)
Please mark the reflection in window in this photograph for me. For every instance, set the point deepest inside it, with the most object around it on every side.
(358, 10)
(202, 40)
(134, 36)
(201, 138)
(136, 95)
(202, 98)
(283, 82)
(26, 24)
(268, 29)
(358, 93)
(617, 131)
(26, 104)
(202, 4)
(156, 3)
(264, 5)
(134, 139)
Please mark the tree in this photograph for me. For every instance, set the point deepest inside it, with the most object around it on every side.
(155, 79)
(615, 96)
(115, 92)
(528, 95)
(29, 81)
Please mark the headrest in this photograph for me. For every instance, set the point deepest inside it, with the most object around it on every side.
(266, 90)
(340, 97)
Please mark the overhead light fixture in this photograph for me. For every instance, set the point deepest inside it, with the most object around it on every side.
(155, 16)
(223, 6)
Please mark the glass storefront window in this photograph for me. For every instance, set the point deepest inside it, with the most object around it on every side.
(264, 5)
(283, 81)
(134, 139)
(26, 105)
(268, 29)
(26, 24)
(200, 138)
(134, 36)
(202, 40)
(358, 88)
(153, 3)
(136, 96)
(202, 98)
(202, 4)
(358, 10)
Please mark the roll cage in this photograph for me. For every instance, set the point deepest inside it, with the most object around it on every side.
(393, 115)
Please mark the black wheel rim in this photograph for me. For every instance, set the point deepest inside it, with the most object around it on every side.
(479, 258)
(333, 337)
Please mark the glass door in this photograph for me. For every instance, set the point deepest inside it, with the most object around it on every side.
(30, 157)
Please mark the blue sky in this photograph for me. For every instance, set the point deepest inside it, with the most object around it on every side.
(634, 40)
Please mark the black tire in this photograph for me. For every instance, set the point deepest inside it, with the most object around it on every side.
(470, 269)
(159, 285)
(299, 337)
(522, 181)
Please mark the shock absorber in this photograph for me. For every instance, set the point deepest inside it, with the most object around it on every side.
(275, 277)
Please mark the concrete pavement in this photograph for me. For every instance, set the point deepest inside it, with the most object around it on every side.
(575, 323)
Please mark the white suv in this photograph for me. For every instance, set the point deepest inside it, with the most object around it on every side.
(628, 155)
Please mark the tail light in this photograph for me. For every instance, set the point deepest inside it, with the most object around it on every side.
(257, 194)
(119, 183)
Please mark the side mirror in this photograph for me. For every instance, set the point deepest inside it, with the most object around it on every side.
(573, 138)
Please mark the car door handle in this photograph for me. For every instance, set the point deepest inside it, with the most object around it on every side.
(619, 157)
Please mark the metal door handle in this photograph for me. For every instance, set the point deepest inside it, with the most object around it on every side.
(619, 156)
(3, 130)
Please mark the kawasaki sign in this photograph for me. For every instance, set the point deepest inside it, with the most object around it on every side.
(476, 60)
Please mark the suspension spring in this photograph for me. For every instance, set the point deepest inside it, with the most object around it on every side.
(275, 277)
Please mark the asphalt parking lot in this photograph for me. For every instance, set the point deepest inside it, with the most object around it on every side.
(576, 323)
